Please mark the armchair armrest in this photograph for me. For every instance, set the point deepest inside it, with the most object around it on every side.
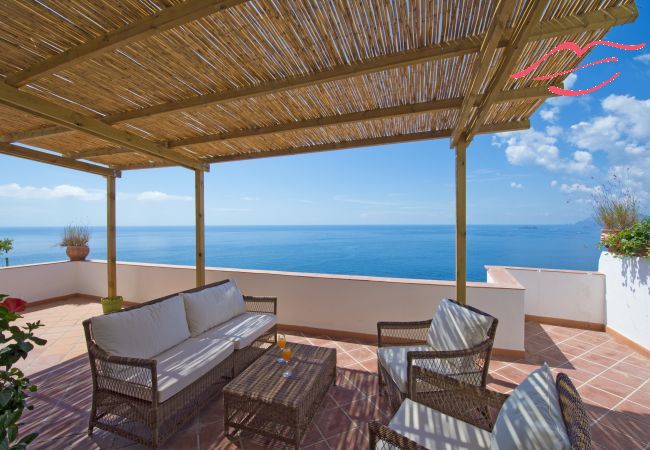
(472, 404)
(390, 438)
(134, 377)
(402, 333)
(262, 305)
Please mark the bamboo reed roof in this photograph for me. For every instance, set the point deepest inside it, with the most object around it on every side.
(131, 84)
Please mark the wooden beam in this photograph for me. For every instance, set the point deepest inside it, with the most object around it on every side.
(37, 106)
(111, 238)
(199, 197)
(101, 151)
(522, 33)
(496, 128)
(438, 105)
(358, 143)
(32, 134)
(494, 34)
(140, 29)
(56, 160)
(361, 116)
(595, 20)
(461, 222)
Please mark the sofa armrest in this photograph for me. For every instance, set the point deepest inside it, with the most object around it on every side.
(382, 437)
(402, 333)
(134, 377)
(262, 305)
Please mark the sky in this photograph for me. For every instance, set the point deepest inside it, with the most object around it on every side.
(544, 175)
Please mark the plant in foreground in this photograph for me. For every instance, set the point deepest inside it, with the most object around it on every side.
(17, 342)
(632, 241)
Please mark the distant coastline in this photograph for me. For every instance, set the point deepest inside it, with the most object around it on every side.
(400, 251)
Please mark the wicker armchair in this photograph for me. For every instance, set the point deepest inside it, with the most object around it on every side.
(470, 365)
(479, 407)
(125, 397)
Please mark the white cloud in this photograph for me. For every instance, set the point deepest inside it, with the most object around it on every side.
(645, 58)
(553, 183)
(15, 190)
(157, 196)
(550, 114)
(540, 148)
(579, 187)
(250, 199)
(561, 100)
(515, 185)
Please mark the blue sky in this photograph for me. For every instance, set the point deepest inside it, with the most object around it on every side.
(544, 175)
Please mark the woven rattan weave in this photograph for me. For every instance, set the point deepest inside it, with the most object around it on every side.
(470, 364)
(125, 391)
(479, 407)
(261, 400)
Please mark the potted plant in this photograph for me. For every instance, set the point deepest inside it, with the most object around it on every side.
(632, 241)
(615, 208)
(111, 304)
(75, 240)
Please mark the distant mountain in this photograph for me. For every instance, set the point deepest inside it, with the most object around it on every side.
(589, 222)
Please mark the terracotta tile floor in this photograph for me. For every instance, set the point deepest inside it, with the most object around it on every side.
(613, 380)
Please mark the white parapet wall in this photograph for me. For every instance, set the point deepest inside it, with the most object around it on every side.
(628, 296)
(569, 295)
(342, 303)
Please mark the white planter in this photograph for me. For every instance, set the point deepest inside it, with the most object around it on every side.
(628, 296)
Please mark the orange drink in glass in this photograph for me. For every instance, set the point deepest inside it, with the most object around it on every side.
(286, 355)
(282, 340)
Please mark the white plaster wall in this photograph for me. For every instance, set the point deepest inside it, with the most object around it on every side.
(35, 282)
(343, 303)
(563, 294)
(628, 296)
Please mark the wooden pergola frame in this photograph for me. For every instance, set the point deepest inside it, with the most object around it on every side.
(486, 88)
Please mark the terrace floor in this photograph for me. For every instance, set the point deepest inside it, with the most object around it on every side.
(614, 382)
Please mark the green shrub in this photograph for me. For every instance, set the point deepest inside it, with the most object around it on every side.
(632, 241)
(15, 343)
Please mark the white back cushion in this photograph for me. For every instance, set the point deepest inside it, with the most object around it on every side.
(212, 306)
(531, 417)
(142, 332)
(457, 328)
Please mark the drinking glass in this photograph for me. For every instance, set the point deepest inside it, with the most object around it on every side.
(282, 342)
(286, 355)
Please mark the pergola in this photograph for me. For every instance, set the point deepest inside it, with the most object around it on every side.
(107, 86)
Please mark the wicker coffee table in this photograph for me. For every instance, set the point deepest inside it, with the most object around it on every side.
(261, 400)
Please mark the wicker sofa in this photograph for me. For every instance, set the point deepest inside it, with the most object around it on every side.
(539, 413)
(155, 365)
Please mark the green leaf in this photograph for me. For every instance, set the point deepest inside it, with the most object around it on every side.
(5, 397)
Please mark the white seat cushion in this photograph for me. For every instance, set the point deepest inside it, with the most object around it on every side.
(244, 329)
(531, 417)
(185, 363)
(142, 332)
(212, 306)
(435, 430)
(456, 328)
(393, 359)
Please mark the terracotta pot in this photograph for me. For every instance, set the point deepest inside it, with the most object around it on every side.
(77, 253)
(607, 232)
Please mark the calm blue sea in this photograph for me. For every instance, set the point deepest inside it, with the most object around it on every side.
(409, 251)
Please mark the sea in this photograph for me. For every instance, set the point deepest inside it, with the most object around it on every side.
(398, 251)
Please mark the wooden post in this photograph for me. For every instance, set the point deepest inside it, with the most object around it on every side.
(200, 227)
(461, 222)
(111, 250)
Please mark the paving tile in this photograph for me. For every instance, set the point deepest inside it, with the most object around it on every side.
(612, 379)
